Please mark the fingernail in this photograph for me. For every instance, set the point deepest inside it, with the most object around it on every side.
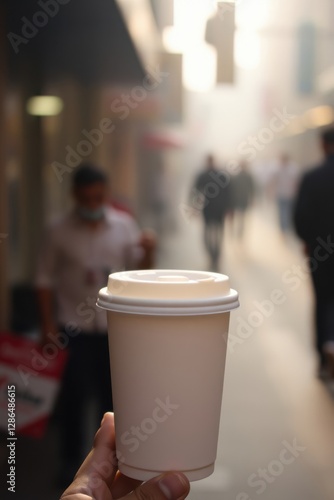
(173, 486)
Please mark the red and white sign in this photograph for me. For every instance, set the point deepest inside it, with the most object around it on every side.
(36, 374)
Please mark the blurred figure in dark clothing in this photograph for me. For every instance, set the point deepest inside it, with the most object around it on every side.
(285, 185)
(80, 251)
(214, 188)
(314, 224)
(242, 197)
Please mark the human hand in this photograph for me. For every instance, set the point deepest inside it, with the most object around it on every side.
(99, 479)
(148, 240)
(148, 243)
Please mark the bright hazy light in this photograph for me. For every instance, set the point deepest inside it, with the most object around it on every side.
(174, 41)
(247, 53)
(44, 105)
(199, 58)
(199, 69)
(187, 37)
(319, 117)
(189, 24)
(252, 14)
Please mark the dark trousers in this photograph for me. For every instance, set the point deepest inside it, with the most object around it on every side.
(324, 319)
(87, 376)
(213, 234)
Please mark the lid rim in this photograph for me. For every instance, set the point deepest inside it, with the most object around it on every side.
(106, 297)
(168, 310)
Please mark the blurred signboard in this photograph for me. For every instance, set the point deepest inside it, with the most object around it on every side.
(220, 30)
(172, 88)
(30, 378)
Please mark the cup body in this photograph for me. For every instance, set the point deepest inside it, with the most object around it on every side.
(168, 332)
(167, 378)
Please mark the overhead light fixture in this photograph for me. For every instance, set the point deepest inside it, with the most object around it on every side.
(318, 117)
(44, 105)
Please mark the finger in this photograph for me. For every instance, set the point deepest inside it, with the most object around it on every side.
(98, 471)
(123, 485)
(102, 460)
(169, 486)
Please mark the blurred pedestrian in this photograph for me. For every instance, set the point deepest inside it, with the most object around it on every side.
(79, 252)
(214, 189)
(285, 185)
(243, 190)
(314, 224)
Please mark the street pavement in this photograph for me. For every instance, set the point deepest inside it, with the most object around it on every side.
(272, 399)
(277, 422)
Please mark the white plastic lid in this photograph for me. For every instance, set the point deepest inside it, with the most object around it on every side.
(168, 292)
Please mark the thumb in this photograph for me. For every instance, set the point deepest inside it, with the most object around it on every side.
(169, 486)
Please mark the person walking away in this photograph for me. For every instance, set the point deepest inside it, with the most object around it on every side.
(314, 223)
(213, 186)
(243, 190)
(79, 252)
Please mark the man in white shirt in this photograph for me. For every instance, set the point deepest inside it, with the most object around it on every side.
(78, 254)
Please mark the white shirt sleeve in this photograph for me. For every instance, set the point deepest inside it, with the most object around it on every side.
(134, 251)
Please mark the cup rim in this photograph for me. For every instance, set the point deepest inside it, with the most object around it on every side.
(160, 307)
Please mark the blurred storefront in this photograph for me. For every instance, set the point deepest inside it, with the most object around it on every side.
(86, 82)
(146, 89)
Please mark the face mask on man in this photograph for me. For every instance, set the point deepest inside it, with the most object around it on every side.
(91, 215)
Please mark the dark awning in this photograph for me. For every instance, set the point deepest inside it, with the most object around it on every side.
(83, 39)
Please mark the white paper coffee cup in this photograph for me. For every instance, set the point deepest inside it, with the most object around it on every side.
(167, 339)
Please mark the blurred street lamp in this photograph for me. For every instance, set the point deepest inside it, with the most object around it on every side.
(44, 105)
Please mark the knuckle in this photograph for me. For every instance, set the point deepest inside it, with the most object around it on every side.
(148, 492)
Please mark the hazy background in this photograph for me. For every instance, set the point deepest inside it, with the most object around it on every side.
(263, 86)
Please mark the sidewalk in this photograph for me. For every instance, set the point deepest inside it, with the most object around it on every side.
(272, 400)
(277, 424)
